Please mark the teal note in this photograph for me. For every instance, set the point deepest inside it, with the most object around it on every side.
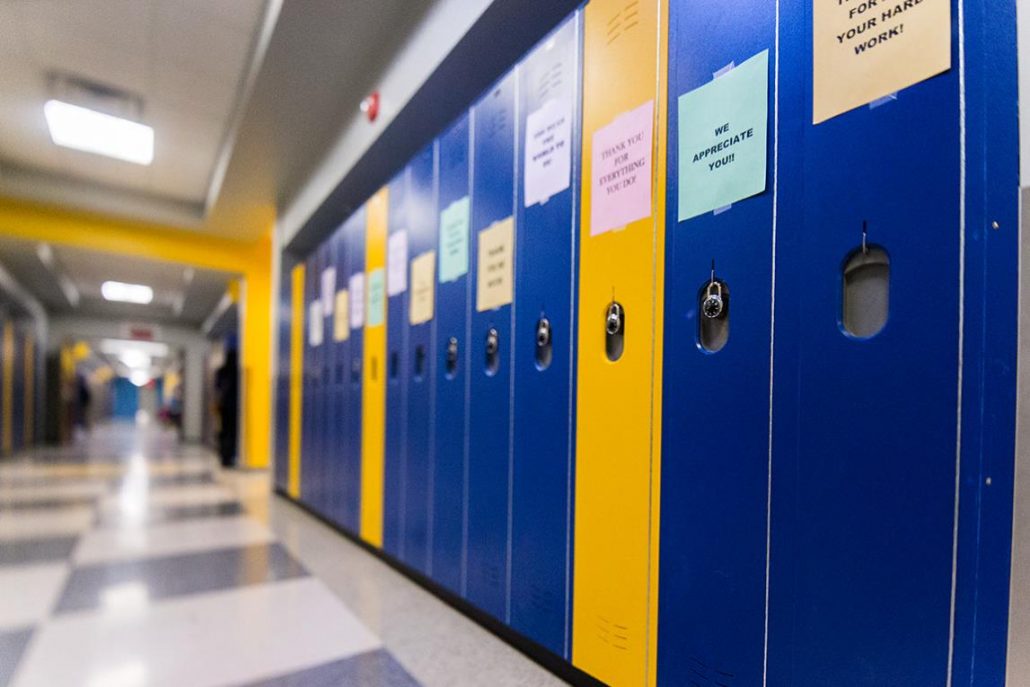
(454, 240)
(376, 298)
(723, 127)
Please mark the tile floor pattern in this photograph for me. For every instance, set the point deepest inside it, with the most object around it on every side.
(129, 560)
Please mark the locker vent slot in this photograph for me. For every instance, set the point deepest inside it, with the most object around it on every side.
(865, 287)
(713, 332)
(613, 634)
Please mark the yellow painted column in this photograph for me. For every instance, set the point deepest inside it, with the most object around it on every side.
(296, 378)
(618, 401)
(6, 431)
(30, 390)
(373, 389)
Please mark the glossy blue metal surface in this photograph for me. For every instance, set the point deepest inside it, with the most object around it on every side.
(489, 461)
(397, 360)
(282, 377)
(451, 420)
(310, 482)
(349, 485)
(543, 401)
(865, 429)
(335, 379)
(421, 367)
(715, 427)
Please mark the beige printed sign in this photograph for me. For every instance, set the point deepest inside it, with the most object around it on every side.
(494, 265)
(868, 49)
(341, 323)
(423, 277)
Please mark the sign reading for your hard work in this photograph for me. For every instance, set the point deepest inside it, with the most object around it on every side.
(722, 138)
(866, 49)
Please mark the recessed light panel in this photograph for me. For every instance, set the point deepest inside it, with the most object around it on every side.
(83, 129)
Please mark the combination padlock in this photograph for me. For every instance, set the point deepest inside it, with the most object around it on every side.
(614, 318)
(543, 332)
(492, 342)
(713, 305)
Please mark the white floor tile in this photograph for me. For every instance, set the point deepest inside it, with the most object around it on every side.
(28, 593)
(190, 495)
(210, 639)
(191, 536)
(24, 524)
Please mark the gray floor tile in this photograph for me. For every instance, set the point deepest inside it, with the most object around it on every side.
(158, 514)
(174, 576)
(372, 669)
(25, 551)
(12, 646)
(47, 503)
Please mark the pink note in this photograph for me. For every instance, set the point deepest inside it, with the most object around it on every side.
(621, 170)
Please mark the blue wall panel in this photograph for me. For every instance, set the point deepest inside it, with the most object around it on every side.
(397, 361)
(715, 436)
(545, 271)
(449, 431)
(493, 189)
(421, 370)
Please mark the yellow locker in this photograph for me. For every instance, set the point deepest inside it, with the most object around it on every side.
(373, 389)
(620, 287)
(296, 378)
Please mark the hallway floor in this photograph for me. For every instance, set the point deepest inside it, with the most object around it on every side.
(130, 560)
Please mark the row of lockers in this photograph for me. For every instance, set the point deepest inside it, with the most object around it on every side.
(18, 385)
(669, 438)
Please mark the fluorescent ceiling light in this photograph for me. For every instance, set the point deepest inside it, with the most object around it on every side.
(118, 346)
(127, 293)
(135, 358)
(95, 132)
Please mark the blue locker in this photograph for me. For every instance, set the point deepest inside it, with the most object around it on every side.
(864, 430)
(715, 427)
(447, 565)
(420, 369)
(18, 416)
(336, 351)
(489, 457)
(282, 400)
(543, 401)
(325, 352)
(396, 441)
(349, 484)
(309, 477)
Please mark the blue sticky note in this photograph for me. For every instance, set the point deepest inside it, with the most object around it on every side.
(376, 298)
(454, 240)
(723, 128)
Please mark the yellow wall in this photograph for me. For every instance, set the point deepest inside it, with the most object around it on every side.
(253, 261)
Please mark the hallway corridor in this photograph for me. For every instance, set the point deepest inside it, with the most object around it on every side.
(131, 560)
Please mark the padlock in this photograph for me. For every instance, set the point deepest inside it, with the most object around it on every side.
(613, 321)
(543, 332)
(712, 306)
(492, 342)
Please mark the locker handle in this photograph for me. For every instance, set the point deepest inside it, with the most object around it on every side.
(492, 349)
(614, 331)
(451, 364)
(544, 347)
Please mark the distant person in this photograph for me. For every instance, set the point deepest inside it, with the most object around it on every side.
(85, 399)
(227, 392)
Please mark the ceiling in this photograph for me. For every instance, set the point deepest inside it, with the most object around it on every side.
(186, 60)
(182, 295)
(245, 96)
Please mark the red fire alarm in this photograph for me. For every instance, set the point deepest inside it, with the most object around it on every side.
(370, 106)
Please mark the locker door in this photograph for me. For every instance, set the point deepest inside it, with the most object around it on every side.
(618, 401)
(715, 436)
(282, 400)
(6, 381)
(373, 393)
(350, 483)
(298, 282)
(18, 417)
(336, 380)
(421, 359)
(864, 482)
(452, 345)
(309, 474)
(322, 352)
(541, 528)
(396, 364)
(493, 197)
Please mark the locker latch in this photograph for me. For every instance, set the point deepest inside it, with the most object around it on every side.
(452, 356)
(543, 343)
(614, 331)
(493, 345)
